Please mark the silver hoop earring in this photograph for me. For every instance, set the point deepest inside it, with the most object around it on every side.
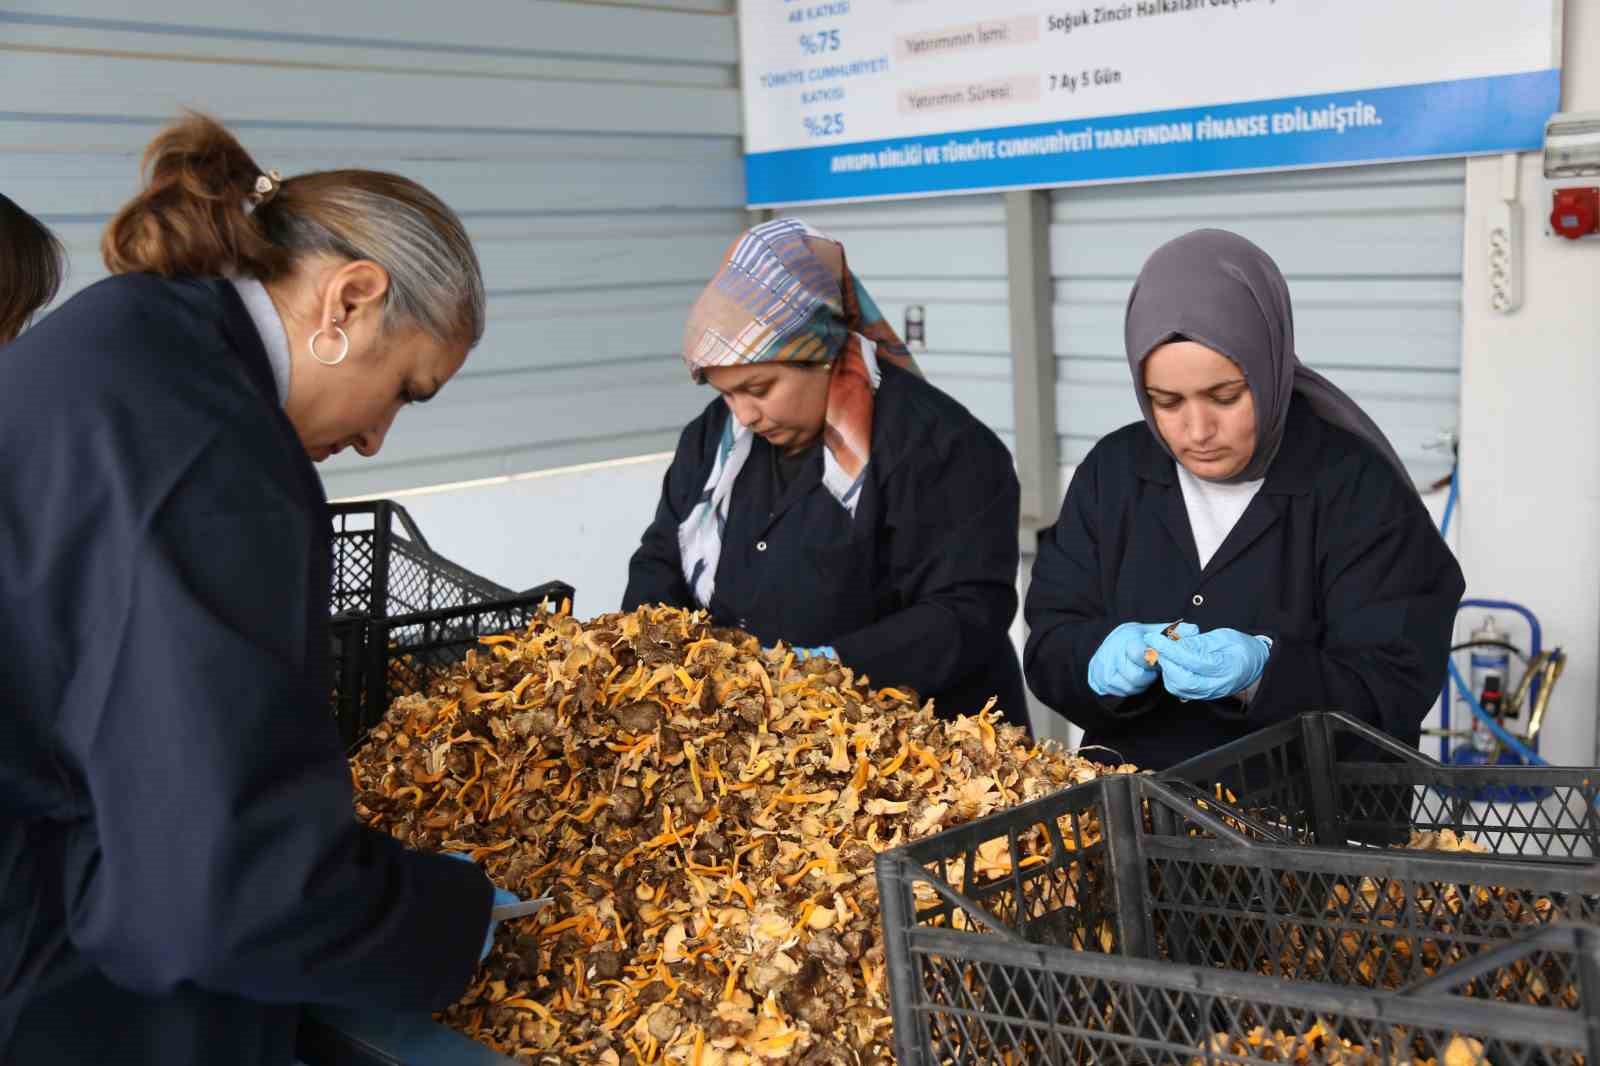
(344, 350)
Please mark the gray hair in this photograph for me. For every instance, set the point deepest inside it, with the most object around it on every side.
(208, 208)
(435, 280)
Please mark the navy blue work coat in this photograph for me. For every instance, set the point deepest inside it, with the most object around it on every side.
(180, 864)
(1336, 560)
(918, 590)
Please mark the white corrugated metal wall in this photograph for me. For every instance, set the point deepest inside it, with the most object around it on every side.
(1373, 257)
(592, 149)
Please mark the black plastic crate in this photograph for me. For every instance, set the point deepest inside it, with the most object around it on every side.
(382, 566)
(381, 658)
(339, 1036)
(402, 613)
(1120, 922)
(1331, 780)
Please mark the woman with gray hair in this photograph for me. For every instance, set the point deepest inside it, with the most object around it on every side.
(1259, 509)
(179, 862)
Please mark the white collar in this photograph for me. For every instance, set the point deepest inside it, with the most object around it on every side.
(273, 337)
(1217, 489)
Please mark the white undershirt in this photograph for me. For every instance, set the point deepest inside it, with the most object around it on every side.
(273, 337)
(1214, 509)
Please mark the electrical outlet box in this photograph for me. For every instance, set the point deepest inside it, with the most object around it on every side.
(1576, 212)
(1572, 175)
(916, 334)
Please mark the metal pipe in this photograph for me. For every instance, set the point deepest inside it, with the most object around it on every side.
(1557, 663)
(1520, 693)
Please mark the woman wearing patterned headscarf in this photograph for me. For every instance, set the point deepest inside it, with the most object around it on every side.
(830, 497)
(1258, 505)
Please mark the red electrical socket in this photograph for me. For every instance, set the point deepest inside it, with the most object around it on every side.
(1576, 213)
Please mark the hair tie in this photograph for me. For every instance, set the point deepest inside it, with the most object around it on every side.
(266, 187)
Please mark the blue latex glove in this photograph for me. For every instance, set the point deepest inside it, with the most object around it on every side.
(820, 652)
(501, 898)
(1118, 667)
(1211, 666)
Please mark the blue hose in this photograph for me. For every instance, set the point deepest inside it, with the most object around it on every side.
(1450, 501)
(1527, 754)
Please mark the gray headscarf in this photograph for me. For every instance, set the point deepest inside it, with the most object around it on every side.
(1217, 289)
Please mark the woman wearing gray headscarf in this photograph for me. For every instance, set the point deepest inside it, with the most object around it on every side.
(1257, 505)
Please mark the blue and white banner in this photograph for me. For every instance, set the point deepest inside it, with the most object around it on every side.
(862, 99)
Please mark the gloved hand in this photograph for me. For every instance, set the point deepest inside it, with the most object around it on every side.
(1118, 667)
(501, 898)
(822, 651)
(1211, 666)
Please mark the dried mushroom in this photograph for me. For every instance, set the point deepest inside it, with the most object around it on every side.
(1444, 840)
(705, 813)
(1320, 1044)
(1151, 656)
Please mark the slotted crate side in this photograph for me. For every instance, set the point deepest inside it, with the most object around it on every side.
(1314, 780)
(420, 580)
(361, 539)
(408, 653)
(1299, 915)
(1202, 896)
(983, 1001)
(1218, 896)
(383, 566)
(1282, 775)
(1152, 872)
(1056, 876)
(402, 613)
(1560, 822)
(1042, 871)
(425, 646)
(352, 571)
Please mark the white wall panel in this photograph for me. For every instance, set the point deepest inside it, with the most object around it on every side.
(592, 150)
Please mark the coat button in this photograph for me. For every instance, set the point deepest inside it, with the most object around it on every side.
(1198, 599)
(761, 545)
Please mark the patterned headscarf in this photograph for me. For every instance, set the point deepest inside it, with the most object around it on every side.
(785, 294)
